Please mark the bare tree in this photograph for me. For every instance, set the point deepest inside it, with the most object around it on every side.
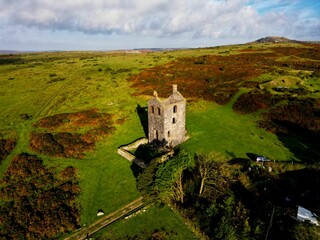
(177, 187)
(209, 167)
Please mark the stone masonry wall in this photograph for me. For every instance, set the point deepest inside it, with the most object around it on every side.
(174, 123)
(124, 152)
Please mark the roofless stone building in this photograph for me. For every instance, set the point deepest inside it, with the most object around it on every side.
(167, 118)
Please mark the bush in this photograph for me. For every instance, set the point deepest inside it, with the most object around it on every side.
(149, 151)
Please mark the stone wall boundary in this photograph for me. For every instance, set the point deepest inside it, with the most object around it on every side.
(124, 151)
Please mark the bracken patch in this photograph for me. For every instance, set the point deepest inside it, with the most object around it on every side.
(71, 134)
(213, 78)
(218, 78)
(303, 113)
(297, 125)
(6, 146)
(256, 100)
(71, 122)
(37, 202)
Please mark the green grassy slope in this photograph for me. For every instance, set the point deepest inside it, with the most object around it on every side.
(219, 128)
(106, 180)
(155, 221)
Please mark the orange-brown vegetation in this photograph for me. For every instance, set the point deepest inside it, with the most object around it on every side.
(301, 114)
(63, 139)
(6, 146)
(253, 101)
(256, 100)
(214, 78)
(37, 202)
(63, 144)
(311, 52)
(288, 116)
(218, 78)
(71, 122)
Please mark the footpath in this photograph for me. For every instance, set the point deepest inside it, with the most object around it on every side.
(104, 221)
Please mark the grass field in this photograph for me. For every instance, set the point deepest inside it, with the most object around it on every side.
(43, 84)
(106, 180)
(218, 128)
(161, 219)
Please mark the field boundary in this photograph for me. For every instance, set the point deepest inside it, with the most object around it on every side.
(124, 151)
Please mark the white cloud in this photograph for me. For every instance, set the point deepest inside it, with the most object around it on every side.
(210, 19)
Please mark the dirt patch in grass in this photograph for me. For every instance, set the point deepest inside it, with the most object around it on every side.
(70, 135)
(37, 202)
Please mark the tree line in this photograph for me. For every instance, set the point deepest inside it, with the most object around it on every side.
(223, 199)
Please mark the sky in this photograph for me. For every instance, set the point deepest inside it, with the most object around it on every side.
(38, 25)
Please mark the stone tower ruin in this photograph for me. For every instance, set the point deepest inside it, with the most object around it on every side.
(167, 118)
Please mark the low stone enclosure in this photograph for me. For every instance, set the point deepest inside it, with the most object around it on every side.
(124, 151)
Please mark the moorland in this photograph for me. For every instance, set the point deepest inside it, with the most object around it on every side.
(64, 114)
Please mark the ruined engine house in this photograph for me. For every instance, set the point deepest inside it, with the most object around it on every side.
(167, 118)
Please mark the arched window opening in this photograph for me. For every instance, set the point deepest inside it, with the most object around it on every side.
(173, 120)
(168, 134)
(152, 109)
(159, 111)
(175, 108)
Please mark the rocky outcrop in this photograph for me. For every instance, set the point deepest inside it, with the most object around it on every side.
(275, 40)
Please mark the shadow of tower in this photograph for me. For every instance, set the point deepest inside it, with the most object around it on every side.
(143, 116)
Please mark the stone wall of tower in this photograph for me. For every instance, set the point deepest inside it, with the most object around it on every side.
(174, 123)
(155, 119)
(167, 119)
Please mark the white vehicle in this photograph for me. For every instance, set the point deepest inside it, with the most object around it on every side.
(262, 159)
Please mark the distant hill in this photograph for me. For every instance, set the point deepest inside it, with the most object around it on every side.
(9, 52)
(275, 40)
(156, 49)
(5, 52)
